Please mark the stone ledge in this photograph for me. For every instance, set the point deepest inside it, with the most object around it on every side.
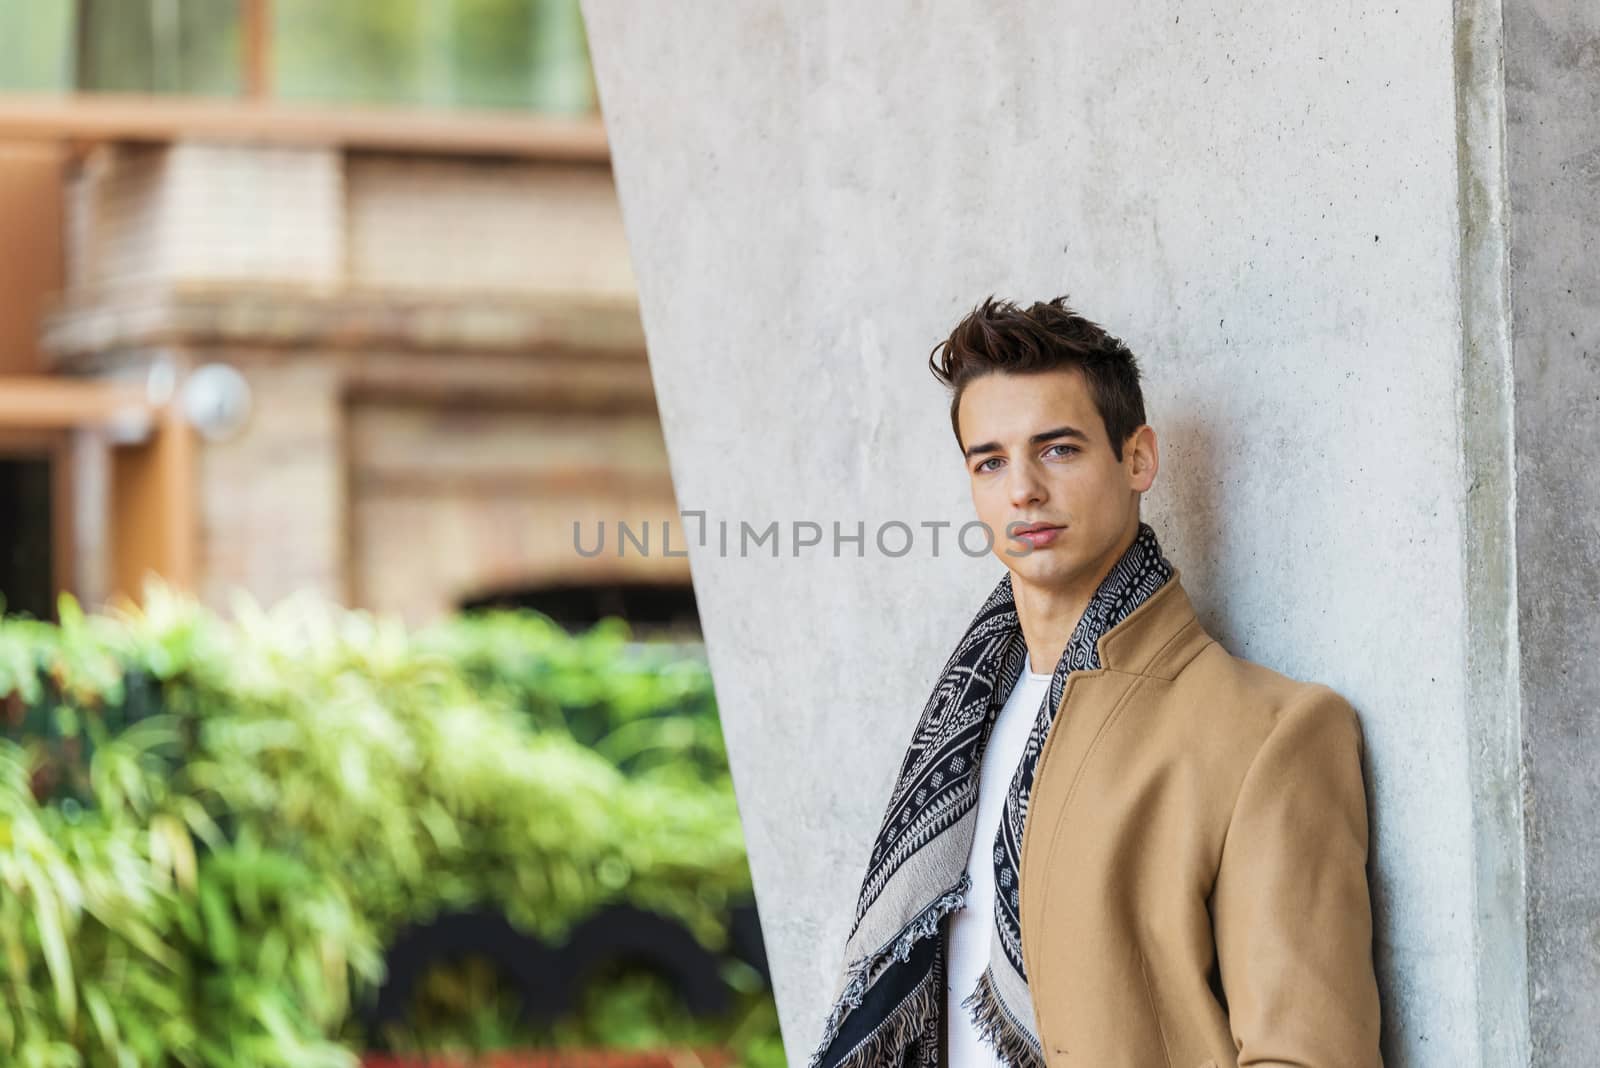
(279, 316)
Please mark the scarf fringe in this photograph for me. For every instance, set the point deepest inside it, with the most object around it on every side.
(898, 1030)
(902, 1025)
(1012, 1045)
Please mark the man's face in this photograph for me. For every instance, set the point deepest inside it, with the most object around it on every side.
(1037, 452)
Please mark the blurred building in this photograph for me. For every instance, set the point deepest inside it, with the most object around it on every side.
(327, 297)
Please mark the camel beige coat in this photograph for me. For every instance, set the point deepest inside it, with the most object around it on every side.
(1194, 863)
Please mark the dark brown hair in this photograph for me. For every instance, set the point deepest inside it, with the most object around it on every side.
(1049, 336)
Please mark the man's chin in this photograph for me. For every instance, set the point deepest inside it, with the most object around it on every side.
(1044, 569)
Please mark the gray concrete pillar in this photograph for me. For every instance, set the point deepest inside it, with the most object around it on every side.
(1361, 320)
(1552, 61)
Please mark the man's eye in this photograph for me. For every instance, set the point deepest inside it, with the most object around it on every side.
(1069, 448)
(985, 465)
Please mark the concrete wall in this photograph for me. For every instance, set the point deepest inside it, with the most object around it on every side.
(1293, 212)
(1553, 117)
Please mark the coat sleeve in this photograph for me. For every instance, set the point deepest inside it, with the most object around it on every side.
(1291, 907)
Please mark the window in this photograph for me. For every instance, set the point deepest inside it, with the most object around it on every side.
(516, 54)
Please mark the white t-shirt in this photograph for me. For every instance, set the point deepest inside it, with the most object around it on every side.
(972, 924)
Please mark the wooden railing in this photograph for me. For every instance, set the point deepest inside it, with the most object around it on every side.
(91, 118)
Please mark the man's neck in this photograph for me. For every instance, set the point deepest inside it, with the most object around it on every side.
(1049, 615)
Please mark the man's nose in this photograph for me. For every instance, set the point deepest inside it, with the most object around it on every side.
(1026, 487)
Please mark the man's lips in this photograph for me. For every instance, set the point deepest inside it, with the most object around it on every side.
(1037, 535)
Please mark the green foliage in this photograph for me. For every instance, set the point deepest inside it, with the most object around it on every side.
(516, 54)
(463, 1009)
(209, 829)
(645, 707)
(525, 54)
(35, 41)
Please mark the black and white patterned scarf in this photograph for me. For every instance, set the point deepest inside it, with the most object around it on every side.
(890, 1006)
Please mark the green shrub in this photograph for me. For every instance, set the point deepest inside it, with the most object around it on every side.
(210, 829)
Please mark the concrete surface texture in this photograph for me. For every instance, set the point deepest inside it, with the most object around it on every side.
(1552, 59)
(1295, 214)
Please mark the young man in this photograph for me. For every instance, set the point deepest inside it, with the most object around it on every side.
(1111, 843)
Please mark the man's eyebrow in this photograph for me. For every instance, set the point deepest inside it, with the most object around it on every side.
(1037, 439)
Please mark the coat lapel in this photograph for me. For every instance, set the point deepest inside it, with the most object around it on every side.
(1156, 639)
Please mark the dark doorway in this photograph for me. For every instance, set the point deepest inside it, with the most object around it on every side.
(653, 609)
(27, 555)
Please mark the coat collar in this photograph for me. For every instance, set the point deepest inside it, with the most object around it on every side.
(1158, 638)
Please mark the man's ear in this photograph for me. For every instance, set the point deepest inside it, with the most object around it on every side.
(1141, 458)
